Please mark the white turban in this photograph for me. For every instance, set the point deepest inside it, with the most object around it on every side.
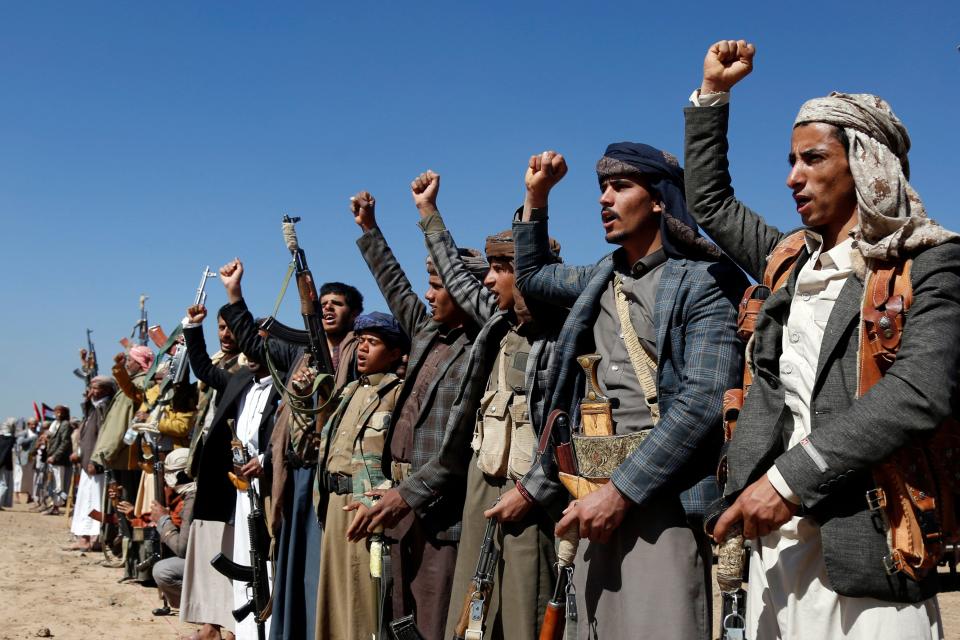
(892, 218)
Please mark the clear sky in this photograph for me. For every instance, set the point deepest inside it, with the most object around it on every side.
(144, 140)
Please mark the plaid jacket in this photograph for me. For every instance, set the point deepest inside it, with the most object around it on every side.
(699, 357)
(438, 503)
(481, 305)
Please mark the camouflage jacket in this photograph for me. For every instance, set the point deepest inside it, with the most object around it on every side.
(370, 428)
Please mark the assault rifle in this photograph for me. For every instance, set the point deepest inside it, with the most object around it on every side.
(255, 575)
(88, 356)
(140, 329)
(178, 359)
(477, 601)
(309, 301)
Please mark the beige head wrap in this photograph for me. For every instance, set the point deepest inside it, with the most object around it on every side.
(892, 218)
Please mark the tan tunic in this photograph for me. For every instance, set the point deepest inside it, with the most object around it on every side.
(347, 597)
(525, 576)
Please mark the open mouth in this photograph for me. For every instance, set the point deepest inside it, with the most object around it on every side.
(329, 318)
(608, 216)
(803, 202)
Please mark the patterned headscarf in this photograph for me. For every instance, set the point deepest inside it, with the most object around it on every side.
(679, 233)
(892, 218)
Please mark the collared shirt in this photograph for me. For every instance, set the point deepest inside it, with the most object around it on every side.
(340, 459)
(616, 374)
(818, 286)
(401, 443)
(250, 415)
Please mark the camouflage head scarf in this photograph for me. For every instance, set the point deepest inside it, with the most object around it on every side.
(892, 218)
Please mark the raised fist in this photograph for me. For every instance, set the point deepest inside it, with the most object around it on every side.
(727, 63)
(424, 188)
(544, 171)
(196, 313)
(230, 275)
(120, 359)
(363, 206)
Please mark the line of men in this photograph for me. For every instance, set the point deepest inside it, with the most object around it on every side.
(440, 415)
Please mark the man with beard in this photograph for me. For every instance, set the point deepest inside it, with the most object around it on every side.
(810, 436)
(248, 400)
(661, 313)
(206, 596)
(422, 511)
(90, 489)
(293, 516)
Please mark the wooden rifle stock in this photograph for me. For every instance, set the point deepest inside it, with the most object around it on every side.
(477, 601)
(554, 621)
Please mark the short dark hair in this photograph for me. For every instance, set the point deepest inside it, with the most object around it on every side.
(353, 298)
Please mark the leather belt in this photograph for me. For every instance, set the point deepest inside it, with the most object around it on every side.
(338, 483)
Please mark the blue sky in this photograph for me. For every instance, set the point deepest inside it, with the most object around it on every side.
(142, 141)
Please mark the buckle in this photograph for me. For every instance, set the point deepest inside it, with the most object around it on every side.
(876, 499)
(892, 563)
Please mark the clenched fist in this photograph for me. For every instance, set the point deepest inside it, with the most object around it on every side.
(363, 206)
(230, 275)
(196, 313)
(425, 188)
(544, 171)
(727, 63)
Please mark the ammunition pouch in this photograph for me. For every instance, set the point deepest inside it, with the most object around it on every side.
(504, 438)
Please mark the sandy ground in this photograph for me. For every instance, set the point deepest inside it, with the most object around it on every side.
(69, 593)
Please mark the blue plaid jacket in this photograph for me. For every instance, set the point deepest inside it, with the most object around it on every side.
(699, 357)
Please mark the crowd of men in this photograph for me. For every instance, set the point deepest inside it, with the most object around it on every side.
(536, 436)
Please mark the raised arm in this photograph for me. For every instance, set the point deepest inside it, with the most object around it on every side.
(238, 317)
(740, 232)
(538, 274)
(200, 362)
(469, 294)
(405, 305)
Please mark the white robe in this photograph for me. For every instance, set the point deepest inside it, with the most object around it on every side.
(248, 432)
(88, 497)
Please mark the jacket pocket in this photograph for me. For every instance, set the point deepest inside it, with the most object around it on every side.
(494, 427)
(523, 440)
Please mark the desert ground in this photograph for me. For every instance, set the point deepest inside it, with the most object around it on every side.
(46, 592)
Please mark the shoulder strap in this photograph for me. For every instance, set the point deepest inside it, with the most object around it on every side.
(643, 364)
(781, 260)
(888, 293)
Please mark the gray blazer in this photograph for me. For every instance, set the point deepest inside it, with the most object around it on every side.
(850, 435)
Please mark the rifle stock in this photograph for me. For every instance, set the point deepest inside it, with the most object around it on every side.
(477, 601)
(231, 569)
(554, 621)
